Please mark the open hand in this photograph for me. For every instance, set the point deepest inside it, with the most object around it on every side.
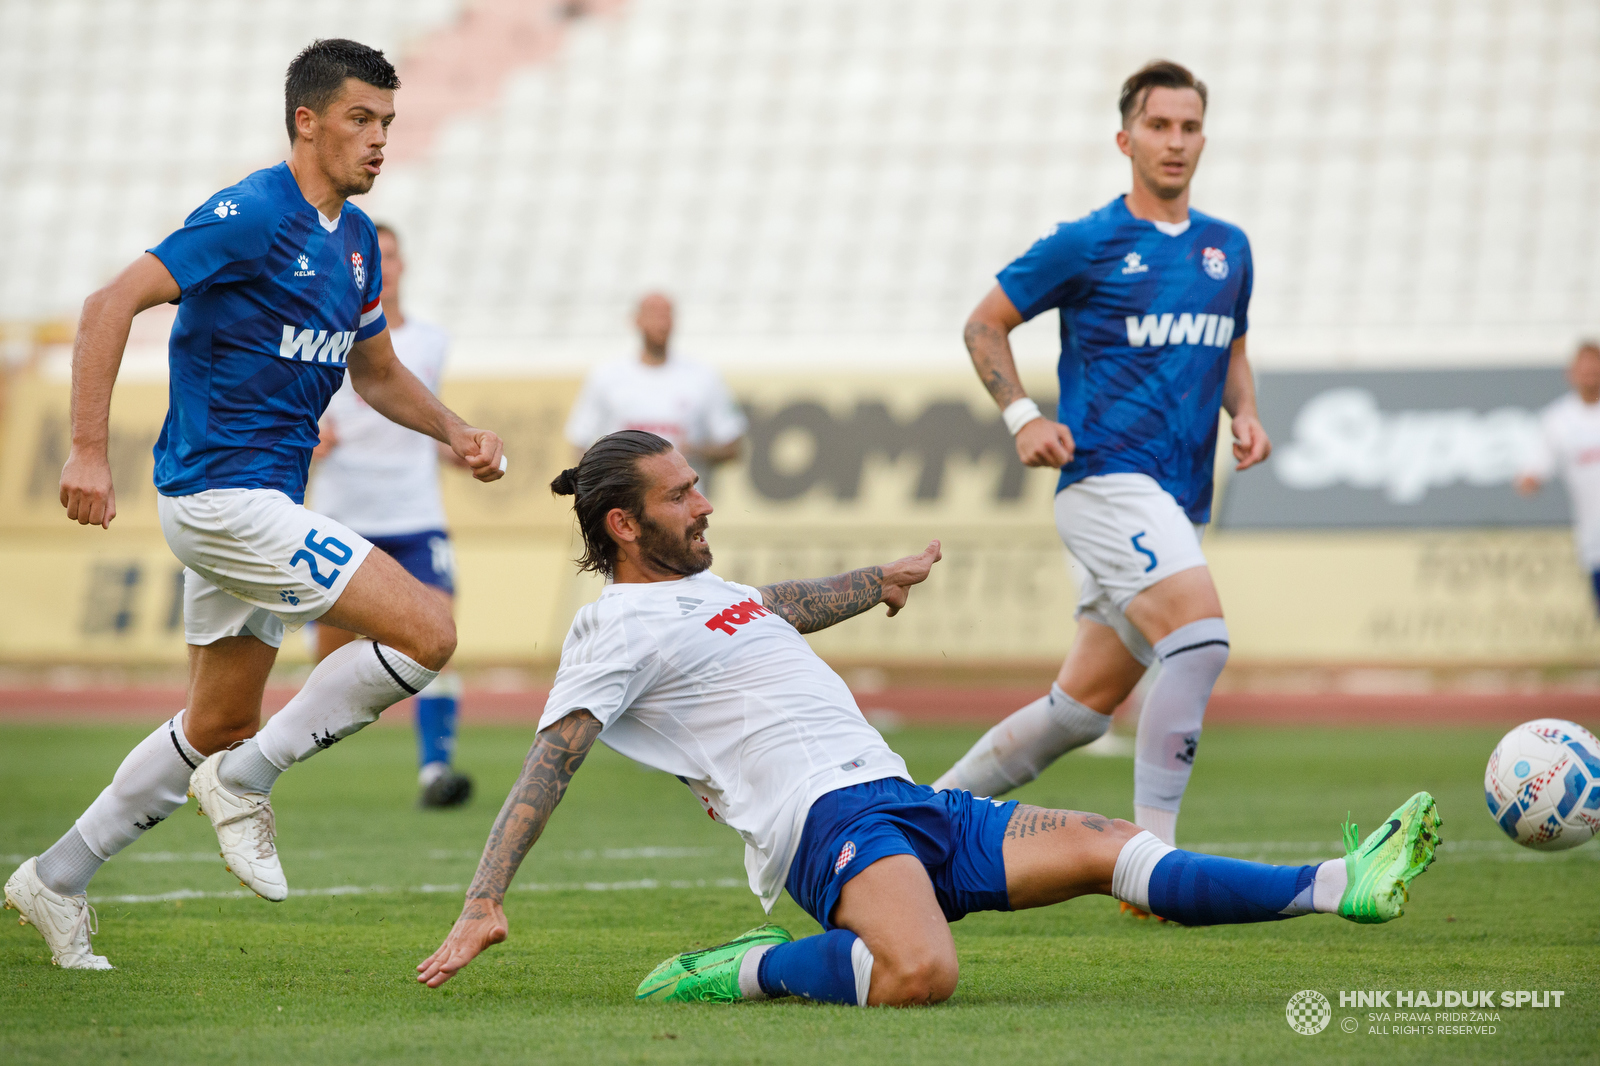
(1045, 443)
(900, 575)
(1250, 442)
(86, 490)
(482, 923)
(481, 451)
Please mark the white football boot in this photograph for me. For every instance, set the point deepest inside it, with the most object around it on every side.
(65, 922)
(245, 831)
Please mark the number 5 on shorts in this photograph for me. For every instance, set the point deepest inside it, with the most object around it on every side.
(336, 552)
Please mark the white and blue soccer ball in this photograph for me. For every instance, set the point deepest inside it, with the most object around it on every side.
(1543, 784)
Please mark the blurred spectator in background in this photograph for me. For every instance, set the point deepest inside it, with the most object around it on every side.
(1570, 445)
(686, 402)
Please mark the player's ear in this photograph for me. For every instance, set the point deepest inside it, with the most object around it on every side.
(1124, 143)
(305, 122)
(623, 527)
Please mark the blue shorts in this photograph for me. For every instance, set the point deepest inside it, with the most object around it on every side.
(955, 835)
(426, 556)
(1595, 577)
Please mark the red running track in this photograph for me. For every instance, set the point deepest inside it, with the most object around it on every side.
(913, 705)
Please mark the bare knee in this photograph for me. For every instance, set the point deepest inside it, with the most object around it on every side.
(436, 643)
(211, 736)
(914, 981)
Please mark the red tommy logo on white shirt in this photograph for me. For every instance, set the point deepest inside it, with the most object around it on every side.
(737, 615)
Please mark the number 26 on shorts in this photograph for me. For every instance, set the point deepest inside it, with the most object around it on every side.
(336, 552)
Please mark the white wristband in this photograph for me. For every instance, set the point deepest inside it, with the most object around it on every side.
(1019, 414)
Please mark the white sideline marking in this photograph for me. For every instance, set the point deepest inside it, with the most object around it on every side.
(377, 890)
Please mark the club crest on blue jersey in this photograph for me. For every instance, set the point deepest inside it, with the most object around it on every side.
(359, 271)
(846, 853)
(1215, 263)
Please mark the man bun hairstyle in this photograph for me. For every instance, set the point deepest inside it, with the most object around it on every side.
(1156, 74)
(318, 73)
(607, 477)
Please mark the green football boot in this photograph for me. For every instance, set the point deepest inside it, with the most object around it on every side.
(1387, 861)
(710, 975)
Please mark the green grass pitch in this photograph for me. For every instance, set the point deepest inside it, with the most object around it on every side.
(631, 870)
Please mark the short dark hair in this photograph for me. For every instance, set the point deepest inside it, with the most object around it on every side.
(606, 477)
(384, 227)
(1156, 74)
(318, 73)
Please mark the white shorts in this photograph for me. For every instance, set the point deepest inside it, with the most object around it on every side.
(256, 561)
(1126, 533)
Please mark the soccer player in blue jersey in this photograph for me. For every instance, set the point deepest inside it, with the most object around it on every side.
(277, 282)
(1153, 299)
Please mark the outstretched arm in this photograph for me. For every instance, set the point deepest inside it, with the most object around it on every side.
(555, 757)
(381, 379)
(825, 601)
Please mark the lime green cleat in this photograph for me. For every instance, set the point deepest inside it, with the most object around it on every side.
(1381, 868)
(710, 975)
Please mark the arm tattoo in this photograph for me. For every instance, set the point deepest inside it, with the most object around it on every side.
(554, 758)
(1027, 821)
(991, 356)
(825, 601)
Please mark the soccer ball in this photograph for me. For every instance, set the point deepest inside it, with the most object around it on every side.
(1543, 784)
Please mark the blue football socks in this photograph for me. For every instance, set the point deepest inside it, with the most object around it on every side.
(436, 729)
(822, 968)
(1197, 889)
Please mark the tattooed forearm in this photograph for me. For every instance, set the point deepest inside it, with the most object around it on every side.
(820, 603)
(554, 758)
(1027, 821)
(991, 356)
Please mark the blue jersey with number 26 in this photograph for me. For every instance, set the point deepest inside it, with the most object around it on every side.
(1147, 321)
(272, 299)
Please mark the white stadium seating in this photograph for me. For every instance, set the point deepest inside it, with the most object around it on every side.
(839, 179)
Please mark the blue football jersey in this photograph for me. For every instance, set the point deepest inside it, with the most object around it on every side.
(271, 302)
(1147, 321)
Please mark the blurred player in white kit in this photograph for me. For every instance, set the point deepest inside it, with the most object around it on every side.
(382, 480)
(663, 393)
(1569, 445)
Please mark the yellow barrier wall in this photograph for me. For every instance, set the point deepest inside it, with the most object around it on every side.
(847, 471)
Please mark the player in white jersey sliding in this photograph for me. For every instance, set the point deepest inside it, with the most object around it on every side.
(1569, 445)
(382, 480)
(712, 681)
(662, 392)
(276, 280)
(1153, 300)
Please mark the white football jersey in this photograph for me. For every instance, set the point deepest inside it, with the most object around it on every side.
(1570, 446)
(382, 479)
(695, 677)
(683, 401)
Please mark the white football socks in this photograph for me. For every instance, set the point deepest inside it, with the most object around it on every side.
(1018, 749)
(151, 783)
(1130, 877)
(1192, 658)
(345, 693)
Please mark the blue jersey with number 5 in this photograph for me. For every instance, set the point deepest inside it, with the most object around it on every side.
(1147, 320)
(272, 298)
